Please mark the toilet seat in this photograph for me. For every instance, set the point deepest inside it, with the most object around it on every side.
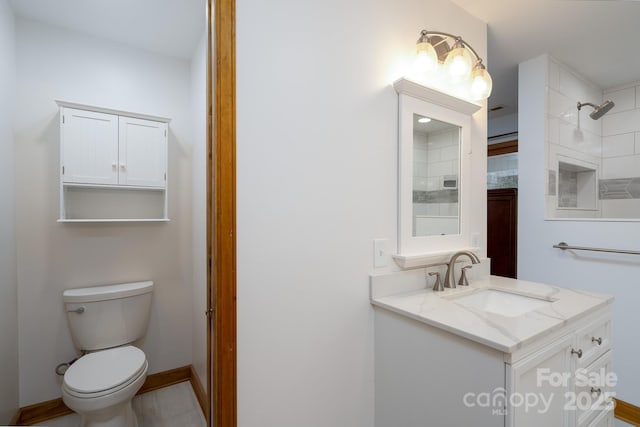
(104, 372)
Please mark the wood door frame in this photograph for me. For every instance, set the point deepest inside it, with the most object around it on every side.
(221, 214)
(502, 148)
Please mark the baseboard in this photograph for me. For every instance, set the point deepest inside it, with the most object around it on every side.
(166, 379)
(627, 412)
(43, 411)
(200, 392)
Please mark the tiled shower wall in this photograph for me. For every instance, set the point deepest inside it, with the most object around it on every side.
(436, 156)
(620, 179)
(571, 138)
(610, 146)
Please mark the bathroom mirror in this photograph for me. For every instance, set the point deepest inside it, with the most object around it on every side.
(436, 167)
(434, 171)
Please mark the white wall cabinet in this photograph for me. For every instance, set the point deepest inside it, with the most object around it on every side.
(428, 377)
(113, 165)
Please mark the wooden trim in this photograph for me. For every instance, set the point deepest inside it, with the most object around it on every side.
(198, 390)
(44, 411)
(209, 217)
(502, 148)
(165, 379)
(627, 412)
(39, 412)
(222, 212)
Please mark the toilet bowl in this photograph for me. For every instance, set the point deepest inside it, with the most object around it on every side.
(104, 321)
(100, 386)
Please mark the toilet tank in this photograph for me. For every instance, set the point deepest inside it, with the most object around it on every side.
(108, 316)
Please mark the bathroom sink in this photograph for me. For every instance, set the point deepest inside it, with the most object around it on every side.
(499, 302)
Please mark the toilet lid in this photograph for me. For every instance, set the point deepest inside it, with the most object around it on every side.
(104, 369)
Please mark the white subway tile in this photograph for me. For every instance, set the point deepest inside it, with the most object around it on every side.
(621, 167)
(620, 208)
(618, 145)
(433, 183)
(637, 142)
(619, 123)
(553, 129)
(625, 99)
(433, 209)
(450, 153)
(562, 107)
(420, 183)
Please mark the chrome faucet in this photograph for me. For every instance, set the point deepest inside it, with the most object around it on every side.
(449, 279)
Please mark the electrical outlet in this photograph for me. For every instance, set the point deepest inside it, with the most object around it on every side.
(475, 240)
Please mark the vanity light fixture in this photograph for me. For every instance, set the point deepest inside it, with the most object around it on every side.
(461, 62)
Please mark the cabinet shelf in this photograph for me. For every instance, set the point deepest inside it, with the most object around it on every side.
(116, 220)
(111, 187)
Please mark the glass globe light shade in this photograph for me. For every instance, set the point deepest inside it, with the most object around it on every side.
(427, 59)
(481, 83)
(458, 62)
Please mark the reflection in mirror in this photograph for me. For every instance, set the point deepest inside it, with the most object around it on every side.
(436, 167)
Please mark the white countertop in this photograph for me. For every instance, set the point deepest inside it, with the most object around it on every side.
(502, 333)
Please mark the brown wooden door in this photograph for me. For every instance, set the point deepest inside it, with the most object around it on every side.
(502, 231)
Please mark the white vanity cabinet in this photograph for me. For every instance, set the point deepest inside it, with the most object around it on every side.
(113, 165)
(571, 371)
(426, 376)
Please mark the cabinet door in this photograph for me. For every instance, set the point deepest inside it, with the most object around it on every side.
(537, 387)
(143, 152)
(89, 147)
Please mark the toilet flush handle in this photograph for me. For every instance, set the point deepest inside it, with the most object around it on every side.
(78, 310)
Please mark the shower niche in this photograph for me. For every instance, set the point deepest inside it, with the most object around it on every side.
(572, 186)
(577, 185)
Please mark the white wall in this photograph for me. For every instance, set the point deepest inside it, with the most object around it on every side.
(502, 125)
(199, 208)
(54, 64)
(8, 279)
(538, 261)
(316, 183)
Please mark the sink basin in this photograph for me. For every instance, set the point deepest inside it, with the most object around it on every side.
(499, 302)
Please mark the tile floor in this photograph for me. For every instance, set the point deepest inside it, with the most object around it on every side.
(168, 407)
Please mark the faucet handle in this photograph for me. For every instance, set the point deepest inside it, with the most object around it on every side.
(437, 287)
(463, 276)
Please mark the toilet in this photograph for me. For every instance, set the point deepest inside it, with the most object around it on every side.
(104, 321)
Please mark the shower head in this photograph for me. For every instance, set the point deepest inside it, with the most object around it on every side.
(598, 110)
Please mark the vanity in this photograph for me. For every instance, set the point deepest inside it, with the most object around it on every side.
(501, 352)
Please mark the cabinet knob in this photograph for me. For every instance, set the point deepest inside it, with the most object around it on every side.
(598, 340)
(577, 352)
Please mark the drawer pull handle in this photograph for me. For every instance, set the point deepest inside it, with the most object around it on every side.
(578, 352)
(597, 391)
(598, 340)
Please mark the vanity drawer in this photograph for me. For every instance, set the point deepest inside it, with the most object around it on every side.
(594, 340)
(592, 391)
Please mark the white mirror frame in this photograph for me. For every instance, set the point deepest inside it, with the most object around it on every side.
(416, 98)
